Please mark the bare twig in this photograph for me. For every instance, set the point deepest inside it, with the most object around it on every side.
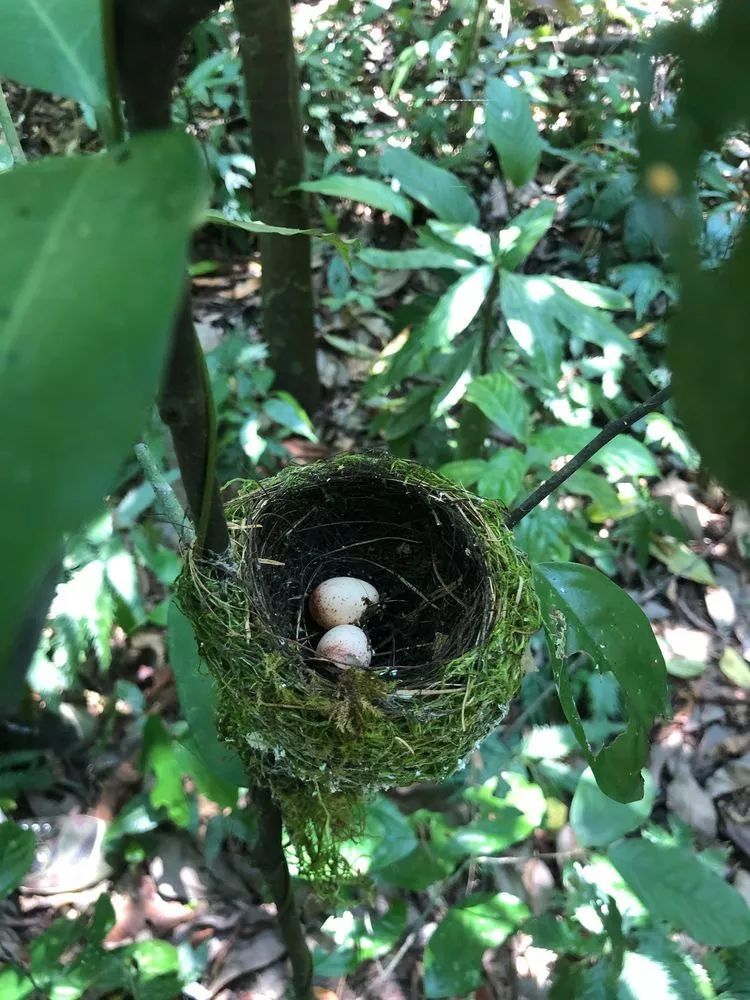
(613, 428)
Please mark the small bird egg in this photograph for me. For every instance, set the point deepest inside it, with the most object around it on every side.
(342, 600)
(346, 645)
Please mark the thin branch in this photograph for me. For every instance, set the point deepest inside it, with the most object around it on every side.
(612, 429)
(9, 131)
(166, 500)
(269, 854)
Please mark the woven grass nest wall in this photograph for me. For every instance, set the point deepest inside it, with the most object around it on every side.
(455, 613)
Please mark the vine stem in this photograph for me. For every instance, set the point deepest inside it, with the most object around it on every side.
(9, 131)
(611, 430)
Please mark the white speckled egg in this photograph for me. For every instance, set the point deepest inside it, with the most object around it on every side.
(342, 600)
(346, 645)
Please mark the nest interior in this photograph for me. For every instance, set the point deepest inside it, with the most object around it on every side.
(455, 613)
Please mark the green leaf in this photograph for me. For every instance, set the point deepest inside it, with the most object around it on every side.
(597, 820)
(708, 333)
(284, 410)
(123, 220)
(453, 956)
(584, 611)
(466, 472)
(679, 888)
(435, 188)
(387, 838)
(464, 237)
(454, 311)
(734, 667)
(527, 303)
(625, 456)
(503, 476)
(498, 397)
(592, 295)
(55, 46)
(659, 968)
(343, 246)
(682, 561)
(543, 534)
(196, 690)
(417, 259)
(519, 238)
(159, 758)
(17, 849)
(364, 190)
(511, 130)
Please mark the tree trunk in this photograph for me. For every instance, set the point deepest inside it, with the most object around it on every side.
(272, 82)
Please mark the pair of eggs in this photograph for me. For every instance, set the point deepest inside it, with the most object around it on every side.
(338, 605)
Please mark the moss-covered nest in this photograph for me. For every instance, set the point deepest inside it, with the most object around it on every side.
(455, 614)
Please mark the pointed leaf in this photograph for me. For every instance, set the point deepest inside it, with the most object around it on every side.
(435, 188)
(597, 820)
(196, 690)
(123, 220)
(679, 888)
(416, 259)
(364, 190)
(511, 130)
(498, 397)
(528, 307)
(55, 46)
(584, 611)
(519, 238)
(453, 956)
(503, 475)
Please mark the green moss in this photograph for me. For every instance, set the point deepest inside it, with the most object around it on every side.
(324, 744)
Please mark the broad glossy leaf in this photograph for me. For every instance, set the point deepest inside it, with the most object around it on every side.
(519, 237)
(364, 190)
(416, 259)
(453, 956)
(56, 46)
(17, 848)
(123, 221)
(584, 611)
(597, 820)
(196, 690)
(511, 130)
(503, 475)
(679, 888)
(499, 398)
(435, 188)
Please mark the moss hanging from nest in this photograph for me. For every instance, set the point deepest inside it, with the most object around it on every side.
(456, 611)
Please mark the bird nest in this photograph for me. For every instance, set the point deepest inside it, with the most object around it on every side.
(455, 614)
